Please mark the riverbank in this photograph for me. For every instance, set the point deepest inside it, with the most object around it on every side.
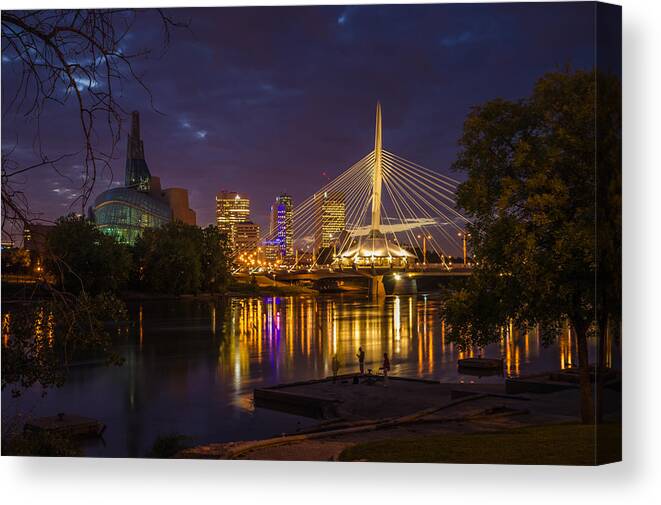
(19, 293)
(134, 296)
(369, 421)
(261, 287)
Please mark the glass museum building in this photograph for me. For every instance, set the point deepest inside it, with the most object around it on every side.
(125, 212)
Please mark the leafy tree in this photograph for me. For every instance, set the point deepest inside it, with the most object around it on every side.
(169, 259)
(68, 323)
(41, 340)
(216, 260)
(543, 255)
(16, 260)
(82, 258)
(56, 59)
(178, 258)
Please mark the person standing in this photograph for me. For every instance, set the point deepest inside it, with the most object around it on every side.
(361, 360)
(385, 368)
(335, 366)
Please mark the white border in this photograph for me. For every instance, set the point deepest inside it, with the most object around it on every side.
(100, 481)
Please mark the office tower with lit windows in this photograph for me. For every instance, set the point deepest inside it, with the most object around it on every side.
(331, 214)
(282, 225)
(231, 209)
(271, 251)
(246, 236)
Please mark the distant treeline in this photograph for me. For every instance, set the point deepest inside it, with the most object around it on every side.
(174, 259)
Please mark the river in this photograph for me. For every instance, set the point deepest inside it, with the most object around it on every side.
(191, 366)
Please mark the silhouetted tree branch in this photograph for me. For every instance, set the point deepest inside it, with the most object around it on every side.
(76, 61)
(78, 56)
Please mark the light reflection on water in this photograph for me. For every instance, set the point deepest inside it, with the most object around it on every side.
(191, 366)
(298, 337)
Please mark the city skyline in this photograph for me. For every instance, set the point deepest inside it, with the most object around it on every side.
(302, 233)
(240, 116)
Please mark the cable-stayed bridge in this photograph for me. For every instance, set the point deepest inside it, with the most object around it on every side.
(384, 215)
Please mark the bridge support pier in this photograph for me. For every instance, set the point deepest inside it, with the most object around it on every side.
(377, 289)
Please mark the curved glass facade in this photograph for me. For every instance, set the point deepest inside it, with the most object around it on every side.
(123, 213)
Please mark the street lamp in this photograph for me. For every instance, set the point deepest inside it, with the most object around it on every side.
(464, 236)
(424, 247)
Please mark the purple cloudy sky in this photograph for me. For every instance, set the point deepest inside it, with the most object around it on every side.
(265, 100)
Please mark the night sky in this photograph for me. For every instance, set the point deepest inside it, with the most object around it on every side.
(265, 100)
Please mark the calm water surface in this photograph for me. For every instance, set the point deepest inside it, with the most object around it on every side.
(191, 366)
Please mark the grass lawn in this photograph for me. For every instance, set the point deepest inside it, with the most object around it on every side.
(559, 444)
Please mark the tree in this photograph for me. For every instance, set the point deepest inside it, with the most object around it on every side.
(45, 338)
(216, 260)
(542, 254)
(169, 259)
(16, 260)
(69, 62)
(82, 258)
(178, 258)
(69, 321)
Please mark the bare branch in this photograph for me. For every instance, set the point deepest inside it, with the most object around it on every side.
(64, 55)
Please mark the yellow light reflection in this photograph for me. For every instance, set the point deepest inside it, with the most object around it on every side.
(6, 323)
(296, 337)
(213, 318)
(397, 322)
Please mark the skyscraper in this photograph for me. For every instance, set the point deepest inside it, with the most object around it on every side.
(332, 219)
(231, 209)
(282, 225)
(246, 236)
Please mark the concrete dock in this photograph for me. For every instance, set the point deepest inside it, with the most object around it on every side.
(369, 398)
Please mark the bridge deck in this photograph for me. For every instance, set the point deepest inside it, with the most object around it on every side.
(346, 274)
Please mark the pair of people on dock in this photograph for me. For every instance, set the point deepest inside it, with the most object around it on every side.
(335, 365)
(385, 366)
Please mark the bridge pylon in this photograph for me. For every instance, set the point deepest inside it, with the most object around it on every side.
(376, 287)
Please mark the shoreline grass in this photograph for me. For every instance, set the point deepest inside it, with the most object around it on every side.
(560, 444)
